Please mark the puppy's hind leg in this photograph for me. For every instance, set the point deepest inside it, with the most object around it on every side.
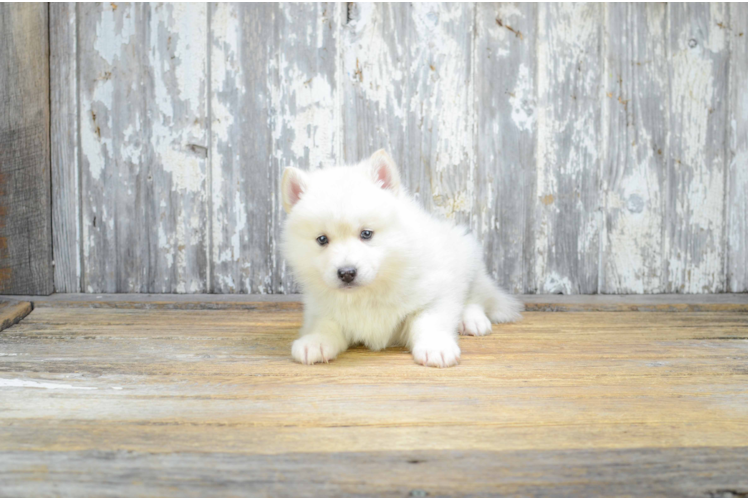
(487, 301)
(474, 321)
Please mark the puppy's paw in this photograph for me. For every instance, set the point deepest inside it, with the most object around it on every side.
(313, 348)
(474, 321)
(440, 352)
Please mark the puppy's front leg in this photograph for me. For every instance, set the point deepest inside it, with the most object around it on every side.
(433, 337)
(321, 341)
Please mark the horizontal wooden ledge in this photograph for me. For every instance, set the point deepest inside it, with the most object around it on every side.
(733, 302)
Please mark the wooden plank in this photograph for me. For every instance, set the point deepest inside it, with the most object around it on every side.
(555, 403)
(694, 238)
(648, 472)
(274, 94)
(635, 120)
(440, 152)
(558, 303)
(737, 180)
(11, 312)
(408, 88)
(505, 107)
(144, 147)
(63, 64)
(111, 94)
(178, 116)
(25, 214)
(376, 70)
(567, 218)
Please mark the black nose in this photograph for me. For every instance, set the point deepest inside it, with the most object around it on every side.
(347, 274)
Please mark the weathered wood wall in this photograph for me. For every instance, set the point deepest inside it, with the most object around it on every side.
(25, 199)
(592, 148)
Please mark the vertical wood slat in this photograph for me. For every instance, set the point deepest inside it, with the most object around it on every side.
(25, 197)
(64, 146)
(375, 80)
(737, 192)
(696, 167)
(274, 101)
(408, 88)
(566, 224)
(505, 107)
(143, 113)
(635, 149)
(440, 121)
(114, 156)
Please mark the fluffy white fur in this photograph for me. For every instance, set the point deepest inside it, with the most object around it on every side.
(419, 280)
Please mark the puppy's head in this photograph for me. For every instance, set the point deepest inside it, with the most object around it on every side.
(342, 231)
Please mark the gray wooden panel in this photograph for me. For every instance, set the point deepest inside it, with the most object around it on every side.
(375, 76)
(143, 85)
(635, 145)
(737, 185)
(505, 107)
(694, 237)
(566, 222)
(114, 151)
(577, 154)
(440, 119)
(63, 74)
(273, 104)
(178, 56)
(25, 215)
(408, 88)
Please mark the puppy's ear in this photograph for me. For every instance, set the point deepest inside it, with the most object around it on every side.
(384, 171)
(293, 185)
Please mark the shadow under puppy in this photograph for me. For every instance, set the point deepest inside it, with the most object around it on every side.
(377, 269)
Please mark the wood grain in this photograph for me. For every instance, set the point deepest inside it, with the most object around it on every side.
(696, 166)
(737, 175)
(11, 312)
(408, 87)
(576, 152)
(635, 111)
(647, 394)
(644, 472)
(144, 147)
(375, 82)
(25, 215)
(506, 108)
(566, 222)
(66, 199)
(273, 105)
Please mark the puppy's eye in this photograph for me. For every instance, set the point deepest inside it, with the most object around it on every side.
(322, 240)
(366, 234)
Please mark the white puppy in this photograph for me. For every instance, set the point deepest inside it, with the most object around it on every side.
(378, 270)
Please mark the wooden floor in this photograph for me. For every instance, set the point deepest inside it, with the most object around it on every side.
(138, 401)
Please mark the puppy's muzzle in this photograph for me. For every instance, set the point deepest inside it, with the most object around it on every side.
(347, 274)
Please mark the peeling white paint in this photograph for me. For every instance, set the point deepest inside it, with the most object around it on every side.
(415, 76)
(554, 283)
(568, 152)
(369, 63)
(523, 100)
(440, 65)
(695, 247)
(179, 93)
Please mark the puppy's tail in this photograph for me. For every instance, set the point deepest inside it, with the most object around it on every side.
(500, 306)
